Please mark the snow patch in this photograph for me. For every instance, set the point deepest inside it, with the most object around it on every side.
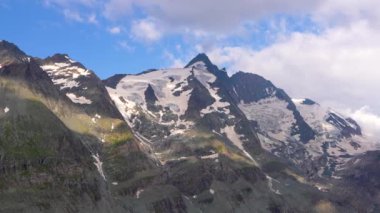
(138, 193)
(71, 60)
(298, 101)
(132, 88)
(6, 110)
(99, 165)
(95, 118)
(199, 65)
(65, 83)
(212, 156)
(235, 139)
(78, 99)
(170, 88)
(65, 74)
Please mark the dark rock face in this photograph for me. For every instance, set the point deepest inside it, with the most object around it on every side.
(113, 80)
(199, 99)
(348, 126)
(202, 58)
(167, 205)
(251, 87)
(150, 98)
(10, 53)
(361, 179)
(309, 102)
(365, 172)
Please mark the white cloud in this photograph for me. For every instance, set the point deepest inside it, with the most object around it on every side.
(70, 3)
(225, 16)
(114, 30)
(76, 16)
(145, 30)
(210, 15)
(124, 45)
(368, 120)
(347, 11)
(174, 62)
(92, 19)
(114, 9)
(83, 11)
(73, 15)
(341, 64)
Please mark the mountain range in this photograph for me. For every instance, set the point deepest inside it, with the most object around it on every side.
(190, 139)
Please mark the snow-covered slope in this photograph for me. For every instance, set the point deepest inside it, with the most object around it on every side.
(79, 84)
(66, 73)
(326, 121)
(337, 137)
(317, 139)
(272, 109)
(171, 89)
(161, 104)
(272, 116)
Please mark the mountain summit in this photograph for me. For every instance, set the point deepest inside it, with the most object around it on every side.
(10, 53)
(203, 58)
(189, 139)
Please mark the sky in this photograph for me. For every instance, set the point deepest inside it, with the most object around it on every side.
(326, 50)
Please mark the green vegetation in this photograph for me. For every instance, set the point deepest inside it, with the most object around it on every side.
(118, 139)
(119, 136)
(27, 148)
(25, 136)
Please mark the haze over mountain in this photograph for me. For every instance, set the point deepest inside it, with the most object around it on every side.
(191, 139)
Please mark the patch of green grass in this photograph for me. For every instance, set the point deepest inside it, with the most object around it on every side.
(118, 139)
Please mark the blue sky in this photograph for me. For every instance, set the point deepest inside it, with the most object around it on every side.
(42, 30)
(110, 45)
(326, 50)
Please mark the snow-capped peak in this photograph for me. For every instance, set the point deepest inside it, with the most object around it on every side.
(66, 74)
(200, 60)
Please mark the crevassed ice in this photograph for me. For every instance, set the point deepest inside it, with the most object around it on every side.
(272, 116)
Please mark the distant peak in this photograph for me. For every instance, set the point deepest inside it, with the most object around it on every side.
(60, 58)
(202, 57)
(251, 76)
(8, 48)
(10, 53)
